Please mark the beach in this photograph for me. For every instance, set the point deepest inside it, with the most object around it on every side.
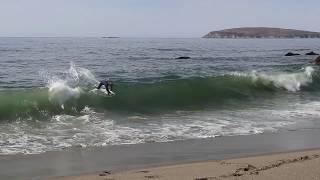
(159, 90)
(285, 166)
(198, 154)
(177, 101)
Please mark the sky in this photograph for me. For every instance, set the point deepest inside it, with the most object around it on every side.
(150, 18)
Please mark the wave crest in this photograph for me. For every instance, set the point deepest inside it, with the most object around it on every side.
(60, 92)
(289, 81)
(63, 89)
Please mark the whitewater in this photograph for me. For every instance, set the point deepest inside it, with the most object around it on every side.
(48, 100)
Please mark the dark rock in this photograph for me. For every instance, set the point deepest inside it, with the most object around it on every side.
(107, 172)
(102, 174)
(305, 158)
(183, 57)
(144, 171)
(316, 61)
(311, 53)
(151, 176)
(249, 167)
(291, 54)
(238, 174)
(202, 178)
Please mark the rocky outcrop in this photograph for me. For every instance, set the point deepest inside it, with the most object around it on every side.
(261, 32)
(291, 54)
(311, 53)
(316, 61)
(183, 57)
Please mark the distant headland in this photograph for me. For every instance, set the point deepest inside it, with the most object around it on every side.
(110, 37)
(261, 32)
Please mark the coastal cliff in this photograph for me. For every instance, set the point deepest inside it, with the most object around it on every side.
(261, 32)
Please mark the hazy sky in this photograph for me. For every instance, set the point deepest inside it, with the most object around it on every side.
(151, 18)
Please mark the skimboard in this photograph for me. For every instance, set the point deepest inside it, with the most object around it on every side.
(106, 93)
(102, 92)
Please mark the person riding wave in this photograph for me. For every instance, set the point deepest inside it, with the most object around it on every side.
(107, 84)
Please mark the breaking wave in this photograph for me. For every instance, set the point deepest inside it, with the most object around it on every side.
(71, 92)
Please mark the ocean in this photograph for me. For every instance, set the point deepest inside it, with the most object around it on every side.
(228, 87)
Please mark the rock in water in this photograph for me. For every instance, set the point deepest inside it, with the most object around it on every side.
(183, 57)
(291, 54)
(311, 53)
(317, 61)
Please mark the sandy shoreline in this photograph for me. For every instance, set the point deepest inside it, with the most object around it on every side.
(291, 165)
(170, 158)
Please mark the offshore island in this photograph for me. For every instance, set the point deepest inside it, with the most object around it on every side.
(261, 32)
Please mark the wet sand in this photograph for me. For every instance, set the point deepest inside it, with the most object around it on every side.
(284, 166)
(123, 158)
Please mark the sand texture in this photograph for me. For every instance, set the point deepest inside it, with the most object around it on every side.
(292, 165)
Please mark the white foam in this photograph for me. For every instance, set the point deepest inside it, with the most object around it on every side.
(63, 88)
(60, 92)
(97, 129)
(289, 81)
(80, 76)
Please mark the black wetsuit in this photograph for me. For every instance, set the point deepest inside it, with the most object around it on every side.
(107, 85)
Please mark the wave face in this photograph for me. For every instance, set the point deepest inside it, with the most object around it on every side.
(76, 90)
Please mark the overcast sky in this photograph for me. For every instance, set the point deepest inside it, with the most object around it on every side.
(151, 18)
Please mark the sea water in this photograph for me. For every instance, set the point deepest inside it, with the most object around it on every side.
(228, 87)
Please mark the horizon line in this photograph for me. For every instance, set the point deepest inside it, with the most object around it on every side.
(103, 37)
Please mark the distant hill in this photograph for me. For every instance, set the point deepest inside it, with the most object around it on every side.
(261, 32)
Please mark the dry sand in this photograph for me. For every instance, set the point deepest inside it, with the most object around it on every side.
(284, 166)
